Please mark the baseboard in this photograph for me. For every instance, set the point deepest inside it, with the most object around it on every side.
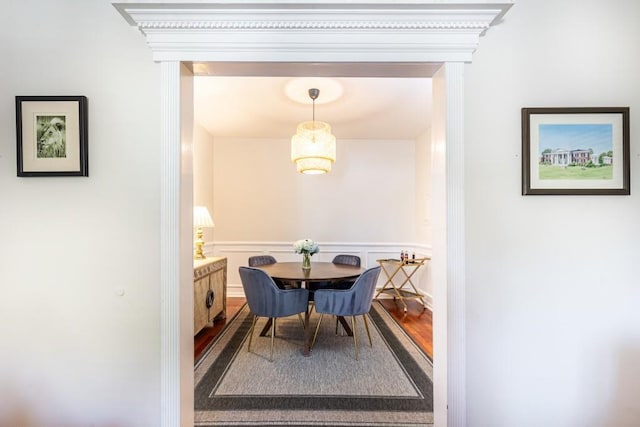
(235, 290)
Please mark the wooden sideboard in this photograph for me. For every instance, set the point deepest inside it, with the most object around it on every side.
(209, 291)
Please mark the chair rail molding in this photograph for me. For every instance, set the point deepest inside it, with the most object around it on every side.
(430, 34)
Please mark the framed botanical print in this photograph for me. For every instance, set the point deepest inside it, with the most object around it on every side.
(52, 136)
(575, 151)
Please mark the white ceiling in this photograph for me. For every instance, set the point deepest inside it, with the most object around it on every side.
(258, 107)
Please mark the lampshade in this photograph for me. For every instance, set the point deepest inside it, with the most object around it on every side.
(313, 147)
(201, 217)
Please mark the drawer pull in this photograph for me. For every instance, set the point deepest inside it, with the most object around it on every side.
(210, 298)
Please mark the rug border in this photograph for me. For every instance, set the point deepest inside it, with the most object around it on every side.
(423, 378)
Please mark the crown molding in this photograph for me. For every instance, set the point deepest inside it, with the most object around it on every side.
(231, 30)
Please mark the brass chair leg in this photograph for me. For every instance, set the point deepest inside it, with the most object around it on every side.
(317, 329)
(366, 325)
(253, 324)
(355, 340)
(273, 334)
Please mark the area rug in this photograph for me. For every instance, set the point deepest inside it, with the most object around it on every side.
(390, 385)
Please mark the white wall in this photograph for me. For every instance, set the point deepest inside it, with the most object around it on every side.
(553, 326)
(423, 168)
(203, 175)
(552, 323)
(72, 351)
(369, 196)
(365, 206)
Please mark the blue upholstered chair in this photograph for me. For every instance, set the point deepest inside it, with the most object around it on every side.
(355, 301)
(265, 299)
(258, 260)
(347, 260)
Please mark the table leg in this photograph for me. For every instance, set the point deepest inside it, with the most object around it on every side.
(345, 325)
(267, 328)
(306, 349)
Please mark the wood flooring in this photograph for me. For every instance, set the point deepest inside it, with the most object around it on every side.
(417, 323)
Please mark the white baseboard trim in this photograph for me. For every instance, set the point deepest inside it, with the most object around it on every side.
(235, 290)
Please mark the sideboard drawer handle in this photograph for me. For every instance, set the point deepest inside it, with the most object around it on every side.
(210, 298)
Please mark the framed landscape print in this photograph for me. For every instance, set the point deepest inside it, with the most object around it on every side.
(575, 151)
(52, 136)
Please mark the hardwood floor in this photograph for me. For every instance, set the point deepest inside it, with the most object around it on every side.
(417, 323)
(202, 340)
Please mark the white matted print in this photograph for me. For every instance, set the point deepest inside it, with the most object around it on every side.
(52, 135)
(575, 151)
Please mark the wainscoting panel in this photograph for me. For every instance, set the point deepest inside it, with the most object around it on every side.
(237, 254)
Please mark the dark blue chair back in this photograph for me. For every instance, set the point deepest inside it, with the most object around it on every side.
(354, 301)
(258, 260)
(347, 260)
(265, 299)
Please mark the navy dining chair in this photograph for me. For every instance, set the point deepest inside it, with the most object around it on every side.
(355, 301)
(265, 299)
(258, 260)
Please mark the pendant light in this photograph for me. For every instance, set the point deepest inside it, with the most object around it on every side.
(313, 147)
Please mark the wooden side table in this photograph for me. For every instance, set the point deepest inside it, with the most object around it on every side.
(405, 271)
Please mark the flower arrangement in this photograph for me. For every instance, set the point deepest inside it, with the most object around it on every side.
(306, 246)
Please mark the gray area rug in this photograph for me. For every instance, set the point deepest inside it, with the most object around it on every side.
(390, 385)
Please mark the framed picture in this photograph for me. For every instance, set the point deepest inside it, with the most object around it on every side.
(52, 136)
(575, 151)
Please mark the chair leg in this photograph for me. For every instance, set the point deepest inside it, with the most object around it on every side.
(273, 334)
(366, 325)
(317, 329)
(253, 324)
(355, 340)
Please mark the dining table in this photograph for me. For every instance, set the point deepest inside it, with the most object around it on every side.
(319, 272)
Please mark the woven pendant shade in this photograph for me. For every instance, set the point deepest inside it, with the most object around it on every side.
(313, 147)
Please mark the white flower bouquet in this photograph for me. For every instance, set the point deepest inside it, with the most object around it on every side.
(306, 246)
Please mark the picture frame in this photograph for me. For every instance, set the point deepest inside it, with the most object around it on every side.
(52, 136)
(575, 151)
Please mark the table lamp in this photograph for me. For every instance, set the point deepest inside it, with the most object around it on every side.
(201, 218)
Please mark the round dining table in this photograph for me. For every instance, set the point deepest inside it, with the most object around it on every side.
(319, 272)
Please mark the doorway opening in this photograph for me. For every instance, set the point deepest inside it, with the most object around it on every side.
(375, 202)
(418, 72)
